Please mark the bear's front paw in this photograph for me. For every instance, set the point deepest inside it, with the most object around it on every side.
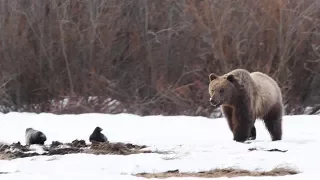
(240, 134)
(240, 139)
(252, 138)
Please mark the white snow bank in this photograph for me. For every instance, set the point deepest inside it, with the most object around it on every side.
(198, 144)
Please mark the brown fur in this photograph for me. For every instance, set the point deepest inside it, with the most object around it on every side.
(245, 97)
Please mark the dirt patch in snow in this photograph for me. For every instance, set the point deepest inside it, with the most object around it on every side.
(216, 173)
(16, 150)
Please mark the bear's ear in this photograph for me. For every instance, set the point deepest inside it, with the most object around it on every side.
(212, 76)
(231, 78)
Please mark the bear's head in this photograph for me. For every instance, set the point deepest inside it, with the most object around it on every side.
(221, 89)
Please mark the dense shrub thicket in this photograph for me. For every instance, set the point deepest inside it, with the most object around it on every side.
(152, 56)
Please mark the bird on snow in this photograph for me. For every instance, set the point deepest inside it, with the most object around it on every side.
(33, 136)
(97, 135)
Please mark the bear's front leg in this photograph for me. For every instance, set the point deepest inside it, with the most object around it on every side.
(243, 128)
(241, 132)
(253, 133)
(227, 111)
(243, 121)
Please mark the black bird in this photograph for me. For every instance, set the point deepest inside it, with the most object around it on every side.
(98, 136)
(33, 136)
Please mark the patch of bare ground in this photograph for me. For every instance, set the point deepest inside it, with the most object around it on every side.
(115, 148)
(216, 173)
(4, 156)
(269, 150)
(16, 150)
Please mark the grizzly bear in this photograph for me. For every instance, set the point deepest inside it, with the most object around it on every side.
(245, 97)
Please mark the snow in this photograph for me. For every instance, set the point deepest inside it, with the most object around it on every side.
(196, 143)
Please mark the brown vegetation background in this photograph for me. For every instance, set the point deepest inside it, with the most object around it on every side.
(152, 56)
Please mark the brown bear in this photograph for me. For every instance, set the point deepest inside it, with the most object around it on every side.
(245, 97)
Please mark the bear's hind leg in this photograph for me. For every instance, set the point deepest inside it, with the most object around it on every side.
(227, 111)
(273, 122)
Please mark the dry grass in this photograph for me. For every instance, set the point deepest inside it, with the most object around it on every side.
(76, 146)
(229, 172)
(115, 148)
(4, 156)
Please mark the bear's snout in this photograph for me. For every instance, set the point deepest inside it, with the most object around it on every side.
(214, 102)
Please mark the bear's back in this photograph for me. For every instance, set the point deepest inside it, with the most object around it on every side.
(264, 82)
(268, 92)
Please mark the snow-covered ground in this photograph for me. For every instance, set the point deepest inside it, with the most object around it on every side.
(197, 144)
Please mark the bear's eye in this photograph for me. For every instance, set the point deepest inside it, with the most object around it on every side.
(221, 91)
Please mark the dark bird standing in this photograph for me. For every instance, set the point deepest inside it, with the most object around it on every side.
(98, 136)
(33, 136)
